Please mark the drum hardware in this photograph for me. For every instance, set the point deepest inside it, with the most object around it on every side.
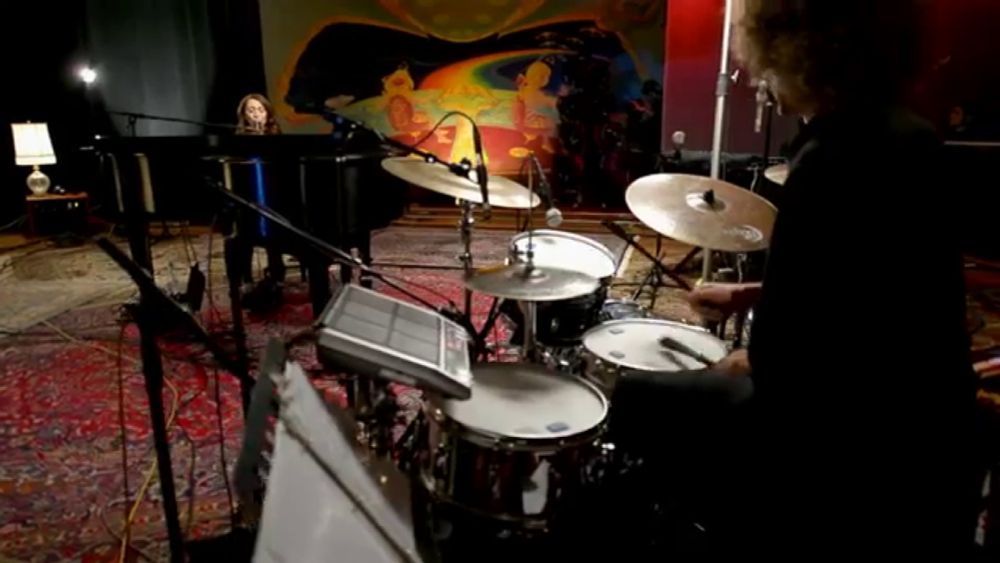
(375, 412)
(462, 183)
(654, 278)
(465, 228)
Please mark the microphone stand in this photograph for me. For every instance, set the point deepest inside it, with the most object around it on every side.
(530, 307)
(461, 169)
(133, 117)
(332, 252)
(721, 94)
(153, 306)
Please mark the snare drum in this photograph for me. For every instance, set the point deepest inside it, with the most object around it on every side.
(561, 323)
(612, 348)
(518, 447)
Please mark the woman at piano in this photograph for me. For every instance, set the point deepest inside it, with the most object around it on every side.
(255, 116)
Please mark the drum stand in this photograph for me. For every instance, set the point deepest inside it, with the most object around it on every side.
(653, 279)
(530, 307)
(464, 317)
(465, 228)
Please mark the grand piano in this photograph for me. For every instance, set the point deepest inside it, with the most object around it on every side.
(330, 185)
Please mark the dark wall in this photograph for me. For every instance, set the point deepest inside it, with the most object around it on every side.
(183, 58)
(39, 86)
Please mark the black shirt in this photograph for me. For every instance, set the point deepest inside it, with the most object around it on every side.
(858, 345)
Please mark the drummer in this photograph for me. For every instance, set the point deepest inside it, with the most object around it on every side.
(863, 394)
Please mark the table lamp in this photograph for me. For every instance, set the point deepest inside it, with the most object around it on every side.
(33, 147)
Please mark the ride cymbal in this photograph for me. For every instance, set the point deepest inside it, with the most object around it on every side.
(702, 212)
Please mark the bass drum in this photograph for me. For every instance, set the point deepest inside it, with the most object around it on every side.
(519, 448)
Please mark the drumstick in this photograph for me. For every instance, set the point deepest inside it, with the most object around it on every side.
(674, 346)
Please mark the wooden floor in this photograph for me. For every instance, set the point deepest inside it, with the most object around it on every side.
(421, 215)
(578, 221)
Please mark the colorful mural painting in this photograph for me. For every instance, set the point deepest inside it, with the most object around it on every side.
(568, 80)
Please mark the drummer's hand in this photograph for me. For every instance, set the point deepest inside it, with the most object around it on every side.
(714, 301)
(736, 364)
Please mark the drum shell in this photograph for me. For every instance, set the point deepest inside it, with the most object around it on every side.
(604, 373)
(563, 322)
(490, 475)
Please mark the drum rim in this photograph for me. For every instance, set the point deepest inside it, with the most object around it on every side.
(572, 236)
(656, 321)
(494, 440)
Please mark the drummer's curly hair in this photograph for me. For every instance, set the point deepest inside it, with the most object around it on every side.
(822, 54)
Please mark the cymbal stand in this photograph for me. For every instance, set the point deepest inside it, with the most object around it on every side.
(530, 307)
(465, 227)
(723, 86)
(654, 279)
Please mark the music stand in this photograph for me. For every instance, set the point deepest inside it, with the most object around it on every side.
(325, 499)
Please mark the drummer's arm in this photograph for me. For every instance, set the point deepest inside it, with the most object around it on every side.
(747, 295)
(717, 300)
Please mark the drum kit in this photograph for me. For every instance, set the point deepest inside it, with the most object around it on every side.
(533, 429)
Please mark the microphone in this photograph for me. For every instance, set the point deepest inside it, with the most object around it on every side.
(678, 138)
(762, 98)
(481, 175)
(553, 217)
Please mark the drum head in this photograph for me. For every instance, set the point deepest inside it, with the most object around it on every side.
(525, 401)
(635, 343)
(567, 251)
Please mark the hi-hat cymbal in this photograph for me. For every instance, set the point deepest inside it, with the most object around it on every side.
(777, 174)
(540, 283)
(437, 178)
(702, 212)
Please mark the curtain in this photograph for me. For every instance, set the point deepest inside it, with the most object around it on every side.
(153, 57)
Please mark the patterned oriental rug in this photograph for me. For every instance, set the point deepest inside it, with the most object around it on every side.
(61, 469)
(61, 479)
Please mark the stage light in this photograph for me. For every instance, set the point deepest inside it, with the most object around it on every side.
(87, 74)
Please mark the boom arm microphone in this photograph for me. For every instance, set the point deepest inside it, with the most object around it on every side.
(553, 217)
(762, 99)
(481, 174)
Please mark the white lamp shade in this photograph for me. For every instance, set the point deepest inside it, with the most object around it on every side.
(32, 145)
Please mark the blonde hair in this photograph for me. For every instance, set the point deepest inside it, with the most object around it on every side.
(822, 54)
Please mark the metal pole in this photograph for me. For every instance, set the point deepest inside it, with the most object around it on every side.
(721, 93)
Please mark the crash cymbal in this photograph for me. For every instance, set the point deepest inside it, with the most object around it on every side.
(777, 174)
(541, 283)
(702, 212)
(437, 178)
